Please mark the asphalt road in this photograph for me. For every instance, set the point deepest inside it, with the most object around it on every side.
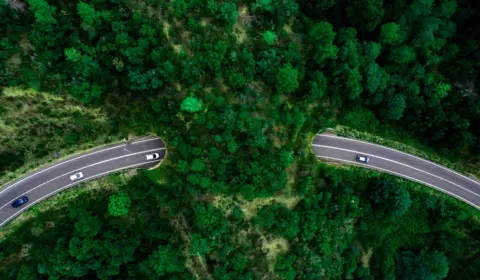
(97, 163)
(385, 159)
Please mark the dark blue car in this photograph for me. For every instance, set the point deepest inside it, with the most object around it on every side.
(20, 201)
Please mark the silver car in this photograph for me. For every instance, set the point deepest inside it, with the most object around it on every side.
(76, 176)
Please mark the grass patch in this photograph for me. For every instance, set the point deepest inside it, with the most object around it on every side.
(273, 248)
(250, 208)
(34, 125)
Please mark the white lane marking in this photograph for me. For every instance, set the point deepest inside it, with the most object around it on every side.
(410, 155)
(69, 185)
(408, 177)
(386, 159)
(88, 166)
(145, 140)
(69, 160)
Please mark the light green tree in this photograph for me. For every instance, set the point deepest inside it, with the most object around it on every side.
(191, 104)
(44, 14)
(269, 37)
(72, 54)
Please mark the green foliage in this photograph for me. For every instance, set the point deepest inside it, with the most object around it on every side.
(89, 17)
(322, 37)
(389, 33)
(287, 79)
(285, 268)
(44, 14)
(269, 37)
(353, 84)
(199, 245)
(395, 107)
(164, 260)
(318, 85)
(191, 104)
(26, 272)
(72, 54)
(228, 13)
(394, 200)
(198, 165)
(179, 7)
(366, 13)
(282, 10)
(403, 55)
(119, 204)
(372, 51)
(428, 265)
(361, 119)
(245, 143)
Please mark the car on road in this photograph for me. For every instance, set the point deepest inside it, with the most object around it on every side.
(153, 156)
(362, 158)
(19, 201)
(76, 176)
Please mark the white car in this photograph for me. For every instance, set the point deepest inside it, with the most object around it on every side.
(153, 156)
(76, 176)
(362, 158)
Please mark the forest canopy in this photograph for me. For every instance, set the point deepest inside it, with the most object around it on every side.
(236, 89)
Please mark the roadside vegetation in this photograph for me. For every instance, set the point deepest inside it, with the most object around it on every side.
(363, 125)
(34, 126)
(237, 89)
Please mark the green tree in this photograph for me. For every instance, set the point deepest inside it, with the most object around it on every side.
(322, 37)
(318, 85)
(228, 13)
(285, 267)
(287, 79)
(353, 85)
(395, 107)
(27, 272)
(286, 158)
(372, 51)
(198, 165)
(119, 204)
(88, 225)
(191, 104)
(72, 54)
(429, 265)
(164, 260)
(285, 9)
(269, 37)
(248, 192)
(179, 7)
(403, 54)
(182, 166)
(89, 17)
(389, 33)
(44, 14)
(198, 245)
(366, 13)
(393, 199)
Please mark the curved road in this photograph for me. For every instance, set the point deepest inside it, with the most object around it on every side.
(97, 163)
(385, 159)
